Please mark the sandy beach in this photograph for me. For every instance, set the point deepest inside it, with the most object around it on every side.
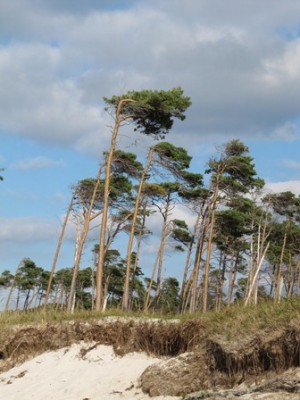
(83, 371)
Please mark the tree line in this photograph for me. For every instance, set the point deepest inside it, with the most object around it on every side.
(243, 244)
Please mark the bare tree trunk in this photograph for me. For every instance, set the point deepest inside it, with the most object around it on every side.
(81, 243)
(187, 295)
(194, 287)
(220, 283)
(146, 305)
(12, 288)
(125, 302)
(199, 251)
(291, 278)
(139, 242)
(164, 234)
(209, 248)
(256, 259)
(101, 259)
(277, 293)
(256, 273)
(188, 260)
(72, 294)
(231, 279)
(60, 240)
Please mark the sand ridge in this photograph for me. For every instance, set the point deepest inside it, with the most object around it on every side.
(83, 371)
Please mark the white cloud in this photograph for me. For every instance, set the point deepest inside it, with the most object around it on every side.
(277, 187)
(238, 67)
(292, 164)
(27, 229)
(38, 162)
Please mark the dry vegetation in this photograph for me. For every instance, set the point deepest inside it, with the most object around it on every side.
(216, 349)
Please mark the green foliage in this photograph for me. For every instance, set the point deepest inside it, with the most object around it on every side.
(285, 204)
(153, 190)
(235, 169)
(27, 275)
(126, 163)
(175, 159)
(6, 278)
(83, 192)
(192, 180)
(232, 223)
(169, 295)
(180, 233)
(120, 188)
(151, 111)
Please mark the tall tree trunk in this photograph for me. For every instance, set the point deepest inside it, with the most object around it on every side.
(72, 293)
(60, 240)
(101, 259)
(79, 250)
(164, 234)
(256, 259)
(232, 278)
(210, 245)
(187, 261)
(256, 273)
(12, 285)
(197, 263)
(291, 276)
(278, 285)
(139, 242)
(146, 305)
(125, 302)
(220, 283)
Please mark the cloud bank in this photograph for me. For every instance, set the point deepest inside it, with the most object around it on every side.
(238, 62)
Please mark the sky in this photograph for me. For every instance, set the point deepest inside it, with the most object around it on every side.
(239, 61)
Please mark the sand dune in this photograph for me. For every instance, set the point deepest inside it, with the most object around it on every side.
(84, 371)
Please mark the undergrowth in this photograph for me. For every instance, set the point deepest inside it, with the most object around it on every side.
(231, 322)
(234, 342)
(265, 314)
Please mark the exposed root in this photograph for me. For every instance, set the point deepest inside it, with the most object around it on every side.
(196, 361)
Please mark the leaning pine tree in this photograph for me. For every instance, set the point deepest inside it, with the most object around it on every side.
(152, 113)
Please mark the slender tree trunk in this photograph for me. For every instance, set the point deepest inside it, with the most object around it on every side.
(101, 259)
(25, 305)
(11, 289)
(199, 251)
(139, 242)
(60, 240)
(194, 287)
(187, 295)
(210, 245)
(146, 306)
(251, 263)
(188, 260)
(220, 284)
(232, 278)
(278, 286)
(161, 250)
(81, 243)
(72, 296)
(256, 274)
(18, 299)
(125, 303)
(255, 259)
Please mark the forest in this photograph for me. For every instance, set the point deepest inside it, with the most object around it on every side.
(243, 244)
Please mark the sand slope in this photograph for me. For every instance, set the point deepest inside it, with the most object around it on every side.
(84, 371)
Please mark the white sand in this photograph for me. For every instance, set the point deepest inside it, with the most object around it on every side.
(65, 375)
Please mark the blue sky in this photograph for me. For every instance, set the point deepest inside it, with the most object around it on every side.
(238, 61)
